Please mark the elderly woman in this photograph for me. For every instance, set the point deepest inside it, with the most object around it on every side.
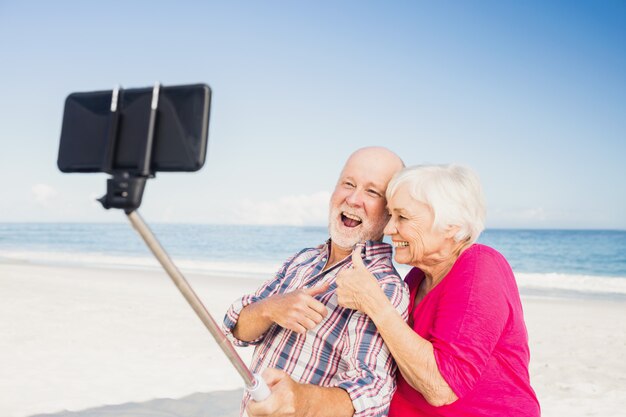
(464, 351)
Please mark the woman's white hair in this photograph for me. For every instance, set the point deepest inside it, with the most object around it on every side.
(453, 193)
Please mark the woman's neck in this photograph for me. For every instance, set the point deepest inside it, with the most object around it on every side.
(439, 267)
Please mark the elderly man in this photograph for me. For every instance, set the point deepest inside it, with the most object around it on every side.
(318, 358)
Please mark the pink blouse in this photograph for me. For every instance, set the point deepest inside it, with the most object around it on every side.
(474, 320)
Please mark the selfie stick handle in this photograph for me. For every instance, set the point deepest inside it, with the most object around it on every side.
(255, 385)
(260, 391)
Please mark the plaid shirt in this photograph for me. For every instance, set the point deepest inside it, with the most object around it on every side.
(345, 350)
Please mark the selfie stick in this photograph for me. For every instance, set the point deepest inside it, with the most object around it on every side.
(254, 383)
(125, 191)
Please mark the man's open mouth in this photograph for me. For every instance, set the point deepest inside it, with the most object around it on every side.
(350, 220)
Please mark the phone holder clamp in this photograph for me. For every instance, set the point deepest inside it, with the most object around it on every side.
(125, 190)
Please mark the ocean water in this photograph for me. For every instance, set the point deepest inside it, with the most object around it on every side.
(556, 262)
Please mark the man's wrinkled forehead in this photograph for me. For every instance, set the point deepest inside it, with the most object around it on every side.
(371, 169)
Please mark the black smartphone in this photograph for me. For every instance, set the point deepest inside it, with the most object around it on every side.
(97, 136)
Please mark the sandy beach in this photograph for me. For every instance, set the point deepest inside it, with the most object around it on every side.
(82, 338)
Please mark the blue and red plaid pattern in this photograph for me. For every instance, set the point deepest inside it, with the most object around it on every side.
(345, 350)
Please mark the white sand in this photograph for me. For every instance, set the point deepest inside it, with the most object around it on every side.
(75, 338)
(578, 352)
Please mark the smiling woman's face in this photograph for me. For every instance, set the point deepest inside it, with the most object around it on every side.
(411, 230)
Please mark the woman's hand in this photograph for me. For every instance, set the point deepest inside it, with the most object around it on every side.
(357, 288)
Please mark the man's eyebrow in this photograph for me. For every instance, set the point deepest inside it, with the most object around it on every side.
(378, 187)
(375, 186)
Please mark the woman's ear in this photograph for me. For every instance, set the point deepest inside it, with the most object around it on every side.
(450, 231)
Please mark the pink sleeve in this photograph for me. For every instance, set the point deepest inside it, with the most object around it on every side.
(471, 315)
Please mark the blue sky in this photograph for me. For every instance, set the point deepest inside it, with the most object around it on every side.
(532, 95)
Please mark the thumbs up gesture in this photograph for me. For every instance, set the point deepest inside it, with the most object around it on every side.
(298, 310)
(357, 288)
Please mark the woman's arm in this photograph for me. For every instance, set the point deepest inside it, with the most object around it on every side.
(413, 354)
(358, 289)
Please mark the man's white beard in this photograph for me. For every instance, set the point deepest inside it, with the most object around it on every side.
(361, 233)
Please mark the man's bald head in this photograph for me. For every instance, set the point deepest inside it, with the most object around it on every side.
(377, 157)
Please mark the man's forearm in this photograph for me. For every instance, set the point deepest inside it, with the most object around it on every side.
(252, 322)
(324, 402)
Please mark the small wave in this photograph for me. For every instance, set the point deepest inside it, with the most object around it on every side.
(243, 268)
(588, 284)
(553, 281)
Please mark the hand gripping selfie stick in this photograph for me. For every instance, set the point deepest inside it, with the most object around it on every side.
(124, 191)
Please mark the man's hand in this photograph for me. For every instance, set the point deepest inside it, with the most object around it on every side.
(284, 398)
(291, 399)
(298, 310)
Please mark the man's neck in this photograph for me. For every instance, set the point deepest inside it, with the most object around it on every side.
(337, 254)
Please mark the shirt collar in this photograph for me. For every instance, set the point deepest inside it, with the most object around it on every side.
(370, 249)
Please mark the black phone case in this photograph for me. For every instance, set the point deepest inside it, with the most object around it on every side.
(93, 140)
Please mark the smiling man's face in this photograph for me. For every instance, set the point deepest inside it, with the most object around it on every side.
(357, 206)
